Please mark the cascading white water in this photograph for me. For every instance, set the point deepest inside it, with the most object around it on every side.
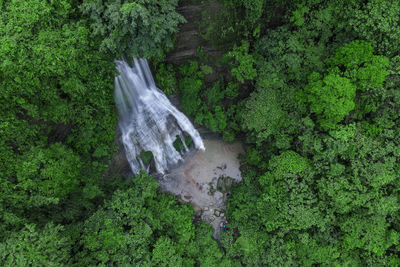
(148, 120)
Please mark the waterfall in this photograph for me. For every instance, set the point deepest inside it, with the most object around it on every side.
(148, 120)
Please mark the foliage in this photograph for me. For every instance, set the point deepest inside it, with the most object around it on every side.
(225, 22)
(46, 176)
(326, 195)
(250, 14)
(297, 17)
(57, 110)
(142, 28)
(242, 66)
(312, 90)
(252, 9)
(146, 157)
(36, 247)
(366, 71)
(264, 112)
(166, 78)
(206, 103)
(190, 86)
(354, 67)
(179, 146)
(376, 22)
(141, 226)
(330, 97)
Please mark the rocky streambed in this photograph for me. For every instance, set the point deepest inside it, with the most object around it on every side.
(204, 180)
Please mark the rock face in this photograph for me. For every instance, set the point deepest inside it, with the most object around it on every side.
(188, 38)
(196, 180)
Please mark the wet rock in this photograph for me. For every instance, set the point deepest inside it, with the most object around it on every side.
(218, 196)
(222, 167)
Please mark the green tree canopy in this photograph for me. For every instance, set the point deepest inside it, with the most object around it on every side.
(141, 226)
(36, 247)
(57, 111)
(331, 98)
(142, 28)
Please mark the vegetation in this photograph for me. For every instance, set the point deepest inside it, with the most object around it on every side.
(311, 88)
(142, 28)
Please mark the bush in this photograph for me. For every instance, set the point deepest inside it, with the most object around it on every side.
(166, 78)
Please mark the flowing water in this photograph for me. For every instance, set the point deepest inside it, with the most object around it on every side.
(148, 120)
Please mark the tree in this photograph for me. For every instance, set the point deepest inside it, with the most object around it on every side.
(287, 198)
(250, 15)
(36, 247)
(142, 28)
(376, 21)
(141, 226)
(190, 86)
(165, 254)
(353, 67)
(357, 62)
(46, 176)
(204, 250)
(57, 109)
(242, 62)
(331, 98)
(265, 113)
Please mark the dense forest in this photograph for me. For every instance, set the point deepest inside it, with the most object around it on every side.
(311, 88)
